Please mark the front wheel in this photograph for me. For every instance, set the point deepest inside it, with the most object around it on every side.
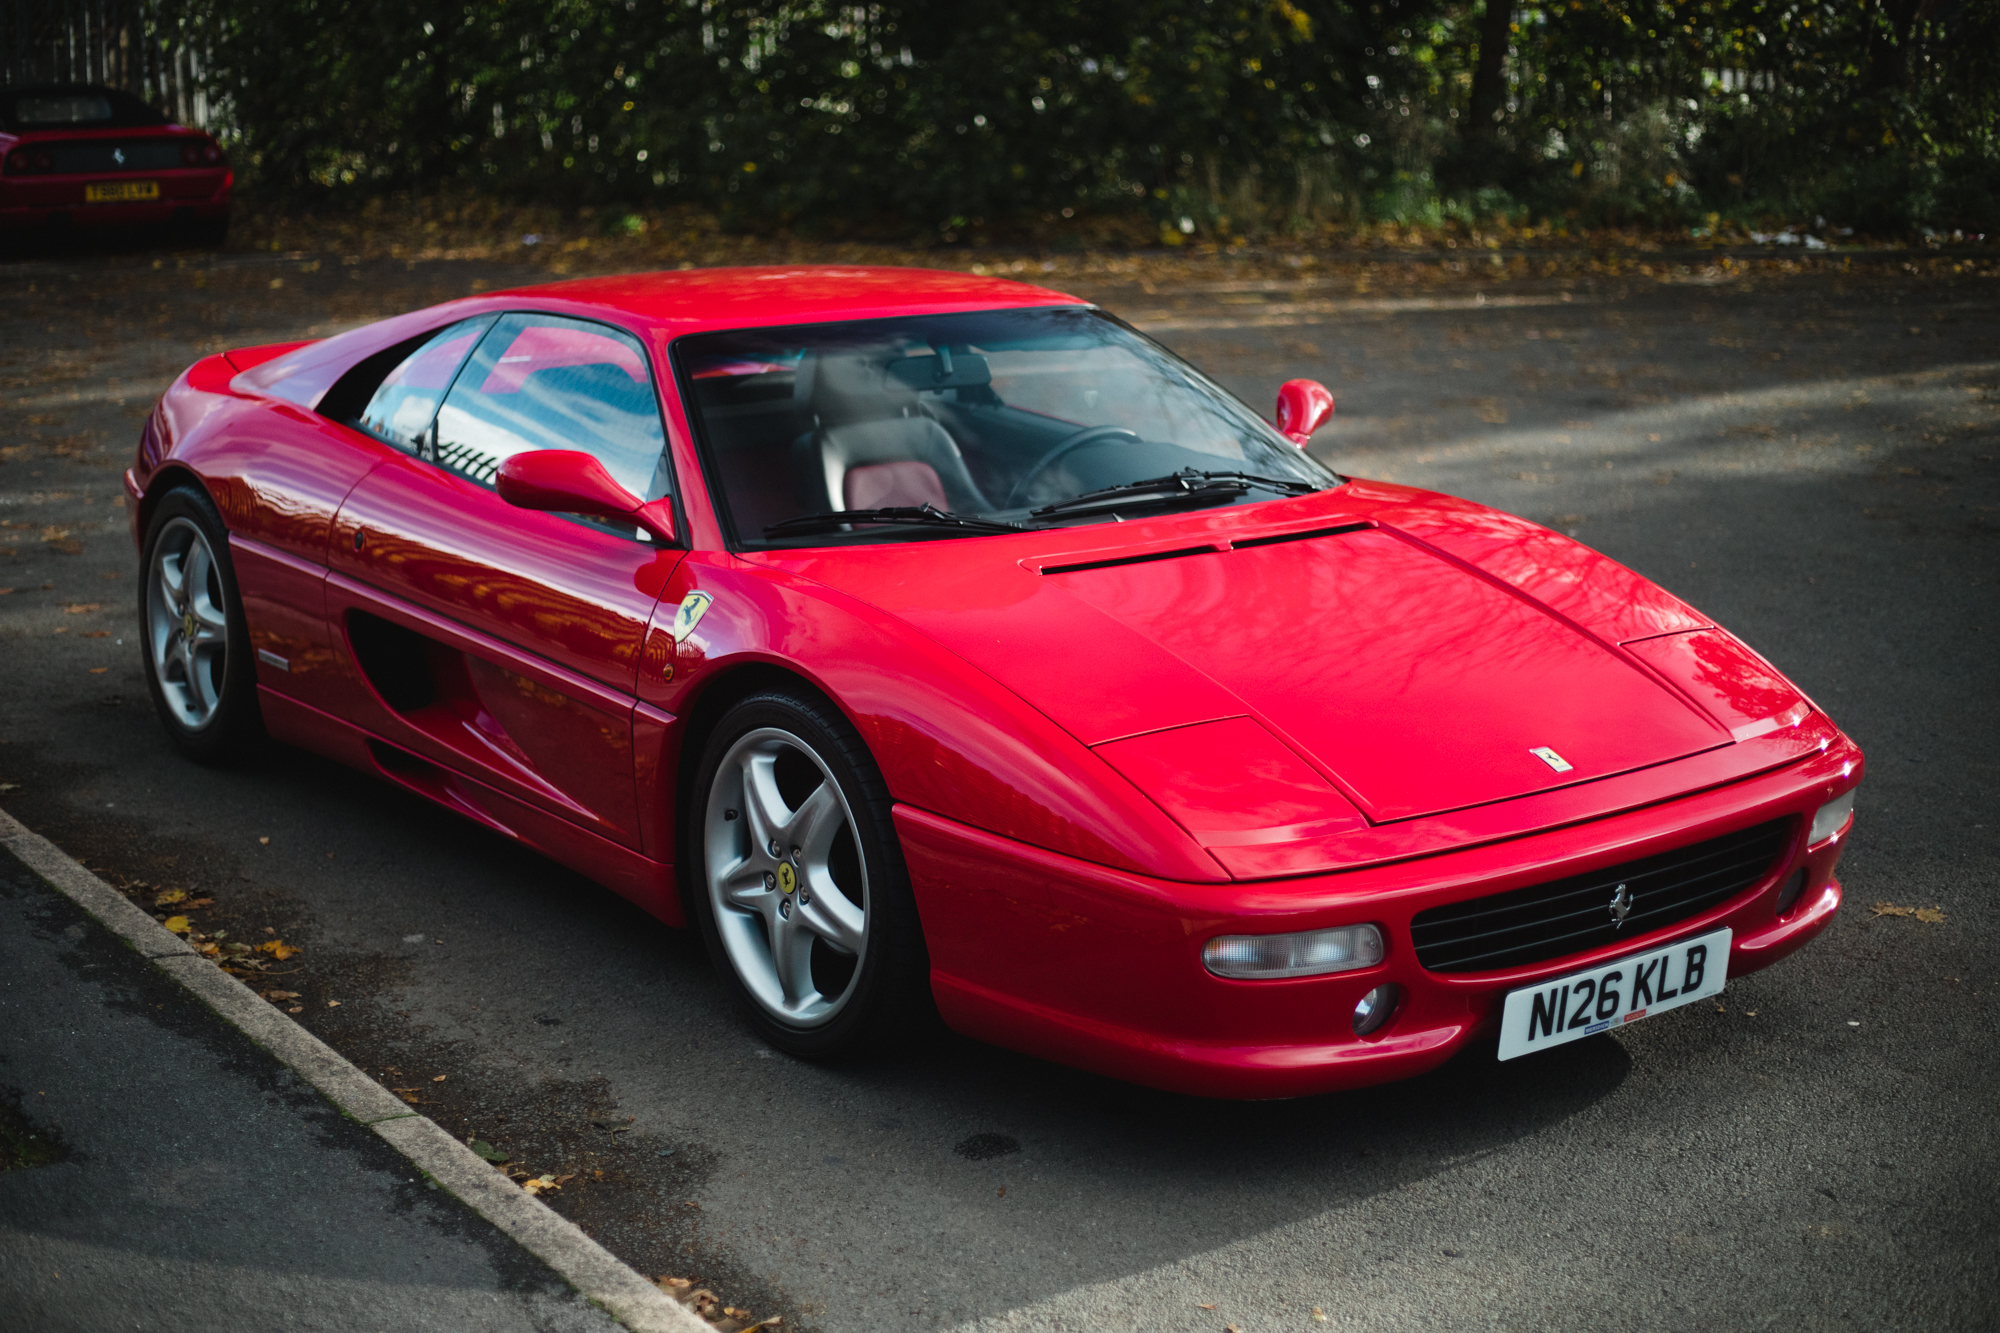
(194, 641)
(799, 885)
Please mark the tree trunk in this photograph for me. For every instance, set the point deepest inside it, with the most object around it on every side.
(1489, 84)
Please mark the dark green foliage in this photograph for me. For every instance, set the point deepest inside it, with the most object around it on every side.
(1230, 117)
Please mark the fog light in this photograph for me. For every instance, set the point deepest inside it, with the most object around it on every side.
(1831, 817)
(1310, 953)
(1374, 1009)
(1788, 897)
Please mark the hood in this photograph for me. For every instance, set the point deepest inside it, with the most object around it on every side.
(1415, 683)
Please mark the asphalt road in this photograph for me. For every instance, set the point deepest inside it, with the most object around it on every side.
(1810, 459)
(202, 1176)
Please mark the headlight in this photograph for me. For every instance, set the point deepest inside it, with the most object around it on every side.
(1310, 953)
(1830, 818)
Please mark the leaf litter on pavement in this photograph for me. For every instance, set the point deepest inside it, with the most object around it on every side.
(1930, 916)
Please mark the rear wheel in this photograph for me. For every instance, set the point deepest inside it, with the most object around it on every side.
(800, 889)
(194, 642)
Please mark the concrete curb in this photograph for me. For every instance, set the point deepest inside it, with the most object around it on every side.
(582, 1262)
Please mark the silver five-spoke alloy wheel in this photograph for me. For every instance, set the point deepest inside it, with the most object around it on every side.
(785, 881)
(187, 629)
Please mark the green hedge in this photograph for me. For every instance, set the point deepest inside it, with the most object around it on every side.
(1189, 117)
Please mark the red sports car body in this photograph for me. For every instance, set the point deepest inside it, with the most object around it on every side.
(97, 157)
(1249, 788)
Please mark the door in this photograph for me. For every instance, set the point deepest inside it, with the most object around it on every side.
(503, 643)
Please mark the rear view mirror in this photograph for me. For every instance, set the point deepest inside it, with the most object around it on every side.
(569, 481)
(1303, 407)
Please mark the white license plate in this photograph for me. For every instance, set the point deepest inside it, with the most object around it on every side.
(1583, 1004)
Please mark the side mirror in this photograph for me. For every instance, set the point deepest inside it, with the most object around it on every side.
(1303, 407)
(569, 481)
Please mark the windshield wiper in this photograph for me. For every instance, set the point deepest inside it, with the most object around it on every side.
(924, 514)
(1187, 484)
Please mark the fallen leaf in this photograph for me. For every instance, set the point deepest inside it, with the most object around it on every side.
(95, 634)
(1930, 916)
(177, 924)
(276, 995)
(264, 841)
(278, 949)
(170, 896)
(296, 1009)
(1204, 1307)
(675, 1283)
(98, 671)
(208, 950)
(1003, 1191)
(82, 608)
(481, 1148)
(440, 1078)
(199, 902)
(539, 1184)
(6, 787)
(705, 1302)
(333, 1004)
(1319, 1314)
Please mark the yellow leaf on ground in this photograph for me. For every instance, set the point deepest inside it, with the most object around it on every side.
(177, 924)
(540, 1183)
(171, 896)
(1930, 916)
(278, 949)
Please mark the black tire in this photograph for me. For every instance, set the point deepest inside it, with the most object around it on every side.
(205, 691)
(884, 995)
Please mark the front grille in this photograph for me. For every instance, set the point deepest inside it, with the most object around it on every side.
(1567, 916)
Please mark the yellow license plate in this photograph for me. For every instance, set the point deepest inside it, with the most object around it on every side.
(121, 192)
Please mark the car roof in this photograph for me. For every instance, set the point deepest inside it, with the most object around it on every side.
(668, 305)
(688, 300)
(127, 112)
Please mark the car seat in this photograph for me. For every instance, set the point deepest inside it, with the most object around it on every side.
(869, 443)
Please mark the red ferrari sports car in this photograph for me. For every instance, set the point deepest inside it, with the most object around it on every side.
(89, 156)
(934, 640)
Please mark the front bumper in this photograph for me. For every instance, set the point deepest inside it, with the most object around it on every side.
(1100, 969)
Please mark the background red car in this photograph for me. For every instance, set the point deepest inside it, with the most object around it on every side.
(927, 638)
(83, 155)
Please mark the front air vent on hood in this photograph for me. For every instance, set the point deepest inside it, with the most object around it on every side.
(1234, 544)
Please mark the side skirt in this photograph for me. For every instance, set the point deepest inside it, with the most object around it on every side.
(646, 882)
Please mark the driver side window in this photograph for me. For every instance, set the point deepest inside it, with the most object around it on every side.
(546, 382)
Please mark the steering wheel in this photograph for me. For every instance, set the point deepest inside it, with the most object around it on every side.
(1064, 447)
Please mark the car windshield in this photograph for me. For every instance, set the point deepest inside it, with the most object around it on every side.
(1003, 416)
